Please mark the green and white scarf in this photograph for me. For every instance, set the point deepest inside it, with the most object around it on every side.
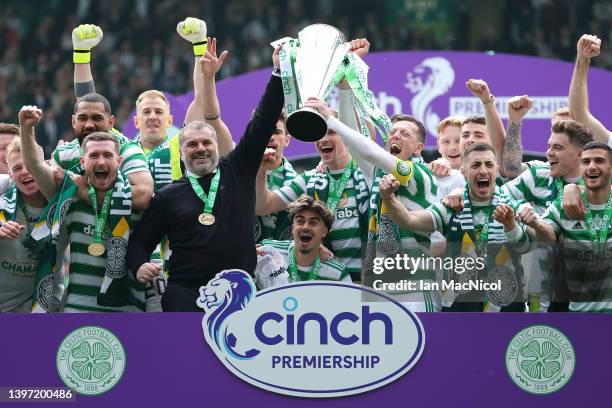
(114, 291)
(503, 260)
(8, 203)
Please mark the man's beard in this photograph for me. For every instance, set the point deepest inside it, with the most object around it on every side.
(202, 171)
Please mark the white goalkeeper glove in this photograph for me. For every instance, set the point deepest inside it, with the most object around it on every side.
(84, 38)
(194, 30)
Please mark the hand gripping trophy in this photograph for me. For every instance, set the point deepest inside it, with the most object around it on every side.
(308, 68)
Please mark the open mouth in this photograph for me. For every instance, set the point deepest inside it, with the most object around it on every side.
(272, 145)
(483, 183)
(28, 182)
(100, 175)
(395, 149)
(593, 176)
(454, 156)
(305, 237)
(326, 149)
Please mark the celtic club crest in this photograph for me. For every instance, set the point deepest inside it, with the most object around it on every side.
(44, 292)
(91, 360)
(116, 266)
(508, 288)
(540, 359)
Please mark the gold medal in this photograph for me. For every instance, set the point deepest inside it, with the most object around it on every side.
(206, 219)
(95, 249)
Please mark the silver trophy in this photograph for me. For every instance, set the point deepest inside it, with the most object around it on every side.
(321, 51)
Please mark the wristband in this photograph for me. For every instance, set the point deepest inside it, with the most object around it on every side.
(276, 71)
(489, 101)
(81, 56)
(200, 48)
(213, 117)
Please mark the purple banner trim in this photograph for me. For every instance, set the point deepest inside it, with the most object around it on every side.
(431, 85)
(168, 363)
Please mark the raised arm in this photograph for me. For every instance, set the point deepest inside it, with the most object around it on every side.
(589, 46)
(420, 220)
(205, 104)
(84, 38)
(32, 153)
(251, 147)
(495, 127)
(518, 107)
(266, 202)
(209, 65)
(358, 145)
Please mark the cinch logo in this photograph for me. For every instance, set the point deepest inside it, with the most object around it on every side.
(304, 339)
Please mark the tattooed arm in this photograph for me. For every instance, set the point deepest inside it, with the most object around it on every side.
(513, 149)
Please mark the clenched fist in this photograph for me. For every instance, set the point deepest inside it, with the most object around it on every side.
(589, 46)
(86, 36)
(518, 107)
(388, 186)
(479, 89)
(29, 116)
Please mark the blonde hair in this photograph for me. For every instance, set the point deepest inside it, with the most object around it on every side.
(14, 147)
(152, 94)
(449, 121)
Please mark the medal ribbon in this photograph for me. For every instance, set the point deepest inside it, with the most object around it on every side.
(209, 201)
(598, 240)
(103, 216)
(336, 187)
(483, 238)
(293, 270)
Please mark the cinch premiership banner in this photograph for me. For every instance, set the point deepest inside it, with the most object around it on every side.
(431, 86)
(306, 344)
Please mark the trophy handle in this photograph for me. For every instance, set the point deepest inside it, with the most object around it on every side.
(307, 125)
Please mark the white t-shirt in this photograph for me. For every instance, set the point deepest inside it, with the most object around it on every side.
(5, 180)
(17, 270)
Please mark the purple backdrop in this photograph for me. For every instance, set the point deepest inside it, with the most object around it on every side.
(431, 85)
(169, 364)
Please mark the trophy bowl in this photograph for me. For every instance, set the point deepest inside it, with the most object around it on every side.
(321, 50)
(306, 125)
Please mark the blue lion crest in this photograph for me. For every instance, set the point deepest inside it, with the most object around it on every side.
(228, 293)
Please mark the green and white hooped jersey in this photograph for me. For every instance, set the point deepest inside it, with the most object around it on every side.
(585, 272)
(346, 236)
(330, 270)
(87, 271)
(443, 216)
(536, 186)
(416, 192)
(68, 155)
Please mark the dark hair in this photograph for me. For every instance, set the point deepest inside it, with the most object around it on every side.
(100, 137)
(421, 133)
(9, 129)
(598, 145)
(305, 202)
(477, 147)
(94, 98)
(479, 120)
(578, 134)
